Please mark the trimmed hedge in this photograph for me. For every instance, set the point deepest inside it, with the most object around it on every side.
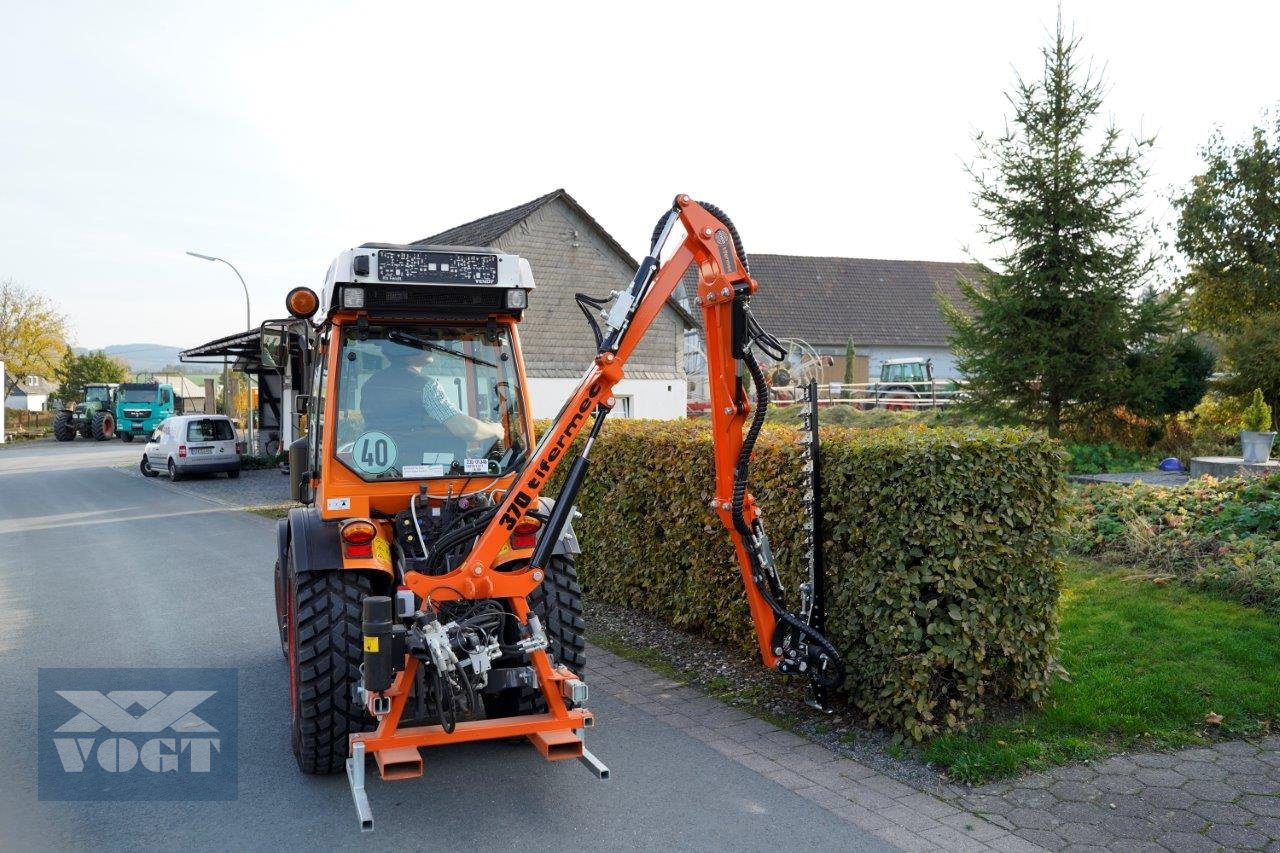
(942, 580)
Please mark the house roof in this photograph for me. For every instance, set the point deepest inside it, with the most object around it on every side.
(487, 229)
(825, 301)
(19, 388)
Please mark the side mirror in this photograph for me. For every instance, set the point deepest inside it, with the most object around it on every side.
(302, 404)
(299, 473)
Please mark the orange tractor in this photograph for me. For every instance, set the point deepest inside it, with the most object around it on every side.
(426, 591)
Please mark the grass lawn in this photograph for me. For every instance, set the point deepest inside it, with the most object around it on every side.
(1147, 664)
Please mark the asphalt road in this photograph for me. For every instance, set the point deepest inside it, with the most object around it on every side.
(101, 569)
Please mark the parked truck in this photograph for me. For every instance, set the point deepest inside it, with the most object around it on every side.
(93, 416)
(141, 406)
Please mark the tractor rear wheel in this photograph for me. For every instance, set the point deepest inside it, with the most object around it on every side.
(63, 429)
(324, 655)
(103, 426)
(558, 604)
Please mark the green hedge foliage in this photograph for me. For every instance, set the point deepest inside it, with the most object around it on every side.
(942, 580)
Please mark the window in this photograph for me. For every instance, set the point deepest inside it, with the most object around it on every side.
(419, 401)
(622, 406)
(210, 429)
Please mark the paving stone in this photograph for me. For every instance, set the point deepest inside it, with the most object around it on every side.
(1222, 813)
(1262, 806)
(986, 804)
(1121, 764)
(1165, 778)
(1030, 797)
(1236, 748)
(908, 817)
(1115, 783)
(1199, 753)
(1251, 784)
(758, 763)
(927, 805)
(1084, 848)
(787, 739)
(1014, 844)
(1269, 826)
(973, 827)
(1200, 770)
(1083, 832)
(1079, 792)
(1127, 826)
(864, 818)
(949, 838)
(1067, 811)
(1025, 818)
(1167, 798)
(1155, 759)
(1043, 838)
(791, 781)
(1247, 767)
(905, 839)
(1237, 837)
(1179, 820)
(731, 748)
(1127, 804)
(1074, 773)
(888, 787)
(1187, 842)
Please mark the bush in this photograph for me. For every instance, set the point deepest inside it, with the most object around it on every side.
(1257, 417)
(1222, 535)
(942, 581)
(1106, 458)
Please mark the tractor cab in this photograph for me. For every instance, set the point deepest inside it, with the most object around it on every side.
(417, 385)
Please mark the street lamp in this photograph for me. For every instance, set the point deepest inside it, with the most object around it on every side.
(248, 324)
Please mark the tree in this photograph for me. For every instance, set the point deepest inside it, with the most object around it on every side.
(1172, 377)
(78, 371)
(1229, 229)
(849, 355)
(1049, 334)
(1253, 355)
(33, 334)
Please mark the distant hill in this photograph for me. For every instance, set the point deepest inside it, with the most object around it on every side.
(141, 356)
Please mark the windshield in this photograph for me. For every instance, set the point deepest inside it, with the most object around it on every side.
(210, 430)
(97, 394)
(138, 393)
(428, 401)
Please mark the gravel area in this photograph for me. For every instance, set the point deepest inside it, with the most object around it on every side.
(267, 487)
(737, 678)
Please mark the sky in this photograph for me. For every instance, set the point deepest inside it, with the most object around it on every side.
(276, 135)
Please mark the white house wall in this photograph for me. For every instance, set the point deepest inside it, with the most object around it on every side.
(659, 399)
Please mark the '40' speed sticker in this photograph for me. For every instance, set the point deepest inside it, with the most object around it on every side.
(374, 453)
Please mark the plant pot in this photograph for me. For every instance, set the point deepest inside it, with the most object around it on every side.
(1256, 446)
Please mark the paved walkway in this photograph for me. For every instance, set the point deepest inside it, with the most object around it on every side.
(1212, 798)
(894, 812)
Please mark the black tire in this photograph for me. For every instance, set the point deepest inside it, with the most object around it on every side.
(233, 474)
(558, 604)
(282, 609)
(145, 467)
(63, 429)
(103, 426)
(126, 437)
(325, 654)
(174, 474)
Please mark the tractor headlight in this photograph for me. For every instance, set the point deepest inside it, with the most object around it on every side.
(353, 297)
(517, 299)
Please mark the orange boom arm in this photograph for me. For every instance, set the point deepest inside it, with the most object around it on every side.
(724, 289)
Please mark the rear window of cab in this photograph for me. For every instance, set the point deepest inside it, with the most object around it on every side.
(209, 430)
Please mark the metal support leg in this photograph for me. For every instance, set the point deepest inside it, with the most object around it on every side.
(355, 778)
(595, 765)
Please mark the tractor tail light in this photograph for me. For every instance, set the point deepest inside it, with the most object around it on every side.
(524, 536)
(182, 451)
(358, 537)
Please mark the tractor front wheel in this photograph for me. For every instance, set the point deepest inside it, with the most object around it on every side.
(63, 428)
(103, 426)
(324, 652)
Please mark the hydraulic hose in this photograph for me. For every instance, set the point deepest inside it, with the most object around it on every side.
(765, 581)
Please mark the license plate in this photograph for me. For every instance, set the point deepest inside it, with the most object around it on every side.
(199, 451)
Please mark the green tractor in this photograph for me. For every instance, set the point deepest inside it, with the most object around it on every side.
(92, 417)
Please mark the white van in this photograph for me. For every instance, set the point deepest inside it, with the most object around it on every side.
(192, 444)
